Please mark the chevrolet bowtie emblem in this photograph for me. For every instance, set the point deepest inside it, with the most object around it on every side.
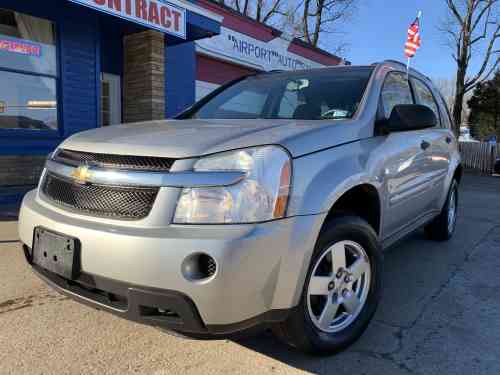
(81, 174)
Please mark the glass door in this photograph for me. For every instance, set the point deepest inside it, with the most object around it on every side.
(111, 99)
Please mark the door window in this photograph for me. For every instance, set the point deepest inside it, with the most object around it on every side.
(396, 91)
(446, 118)
(424, 96)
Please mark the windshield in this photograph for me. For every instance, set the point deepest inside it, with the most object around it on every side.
(319, 94)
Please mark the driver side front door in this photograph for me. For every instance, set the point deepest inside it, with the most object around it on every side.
(405, 161)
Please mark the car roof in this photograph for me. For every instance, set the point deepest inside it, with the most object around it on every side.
(392, 64)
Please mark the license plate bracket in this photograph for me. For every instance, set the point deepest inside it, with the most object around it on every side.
(56, 252)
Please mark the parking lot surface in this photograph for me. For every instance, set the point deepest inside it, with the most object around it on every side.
(440, 314)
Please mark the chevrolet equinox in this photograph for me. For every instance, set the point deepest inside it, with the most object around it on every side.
(266, 204)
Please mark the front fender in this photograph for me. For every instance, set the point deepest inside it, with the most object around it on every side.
(320, 179)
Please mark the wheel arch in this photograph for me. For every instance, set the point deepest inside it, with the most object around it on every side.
(362, 200)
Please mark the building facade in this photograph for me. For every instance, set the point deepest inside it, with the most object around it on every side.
(71, 65)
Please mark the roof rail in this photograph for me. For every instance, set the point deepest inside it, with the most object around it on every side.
(395, 62)
(401, 64)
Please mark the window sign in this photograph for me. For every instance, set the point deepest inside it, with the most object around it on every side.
(240, 48)
(20, 46)
(27, 43)
(154, 14)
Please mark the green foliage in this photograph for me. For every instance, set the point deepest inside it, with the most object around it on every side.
(484, 118)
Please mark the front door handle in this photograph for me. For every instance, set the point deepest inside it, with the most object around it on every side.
(425, 145)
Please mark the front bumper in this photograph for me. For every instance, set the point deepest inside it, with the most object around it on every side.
(261, 267)
(161, 308)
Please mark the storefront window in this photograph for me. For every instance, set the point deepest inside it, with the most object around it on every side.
(28, 72)
(27, 102)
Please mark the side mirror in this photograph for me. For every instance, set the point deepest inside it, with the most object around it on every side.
(406, 117)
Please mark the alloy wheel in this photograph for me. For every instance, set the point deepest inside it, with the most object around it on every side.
(339, 286)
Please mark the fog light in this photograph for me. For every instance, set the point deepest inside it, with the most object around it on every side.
(199, 267)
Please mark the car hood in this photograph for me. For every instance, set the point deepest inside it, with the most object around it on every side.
(191, 138)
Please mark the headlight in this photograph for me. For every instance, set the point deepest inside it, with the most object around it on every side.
(261, 196)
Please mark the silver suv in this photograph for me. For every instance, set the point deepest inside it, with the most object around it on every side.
(266, 204)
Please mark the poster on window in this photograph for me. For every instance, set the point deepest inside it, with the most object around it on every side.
(20, 46)
(154, 14)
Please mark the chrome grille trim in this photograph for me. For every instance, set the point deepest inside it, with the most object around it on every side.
(113, 177)
(111, 161)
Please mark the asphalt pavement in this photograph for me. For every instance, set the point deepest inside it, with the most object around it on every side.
(440, 314)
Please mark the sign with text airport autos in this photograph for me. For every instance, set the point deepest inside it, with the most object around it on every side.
(240, 48)
(155, 14)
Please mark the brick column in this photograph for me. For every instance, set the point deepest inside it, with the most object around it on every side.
(144, 77)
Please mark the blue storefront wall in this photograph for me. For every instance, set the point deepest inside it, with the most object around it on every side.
(77, 87)
(78, 83)
(180, 72)
(88, 43)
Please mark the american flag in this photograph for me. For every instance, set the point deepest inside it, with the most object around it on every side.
(413, 41)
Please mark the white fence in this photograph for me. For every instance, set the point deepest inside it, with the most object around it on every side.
(479, 156)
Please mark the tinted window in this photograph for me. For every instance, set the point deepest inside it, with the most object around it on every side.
(320, 94)
(396, 91)
(424, 96)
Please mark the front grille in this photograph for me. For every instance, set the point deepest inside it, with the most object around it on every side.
(129, 203)
(144, 163)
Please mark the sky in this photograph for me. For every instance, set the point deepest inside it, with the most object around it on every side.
(378, 32)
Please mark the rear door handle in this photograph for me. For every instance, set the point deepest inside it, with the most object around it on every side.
(425, 145)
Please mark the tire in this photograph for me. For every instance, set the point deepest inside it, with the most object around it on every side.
(304, 329)
(443, 226)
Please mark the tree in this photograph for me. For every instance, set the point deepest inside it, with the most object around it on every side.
(484, 107)
(261, 10)
(304, 19)
(473, 29)
(323, 16)
(447, 87)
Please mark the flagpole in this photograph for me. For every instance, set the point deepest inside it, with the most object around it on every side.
(419, 16)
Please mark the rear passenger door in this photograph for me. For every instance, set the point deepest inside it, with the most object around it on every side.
(438, 155)
(406, 188)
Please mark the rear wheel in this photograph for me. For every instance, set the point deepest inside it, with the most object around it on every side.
(443, 226)
(341, 291)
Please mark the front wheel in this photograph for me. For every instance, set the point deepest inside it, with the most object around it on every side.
(341, 291)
